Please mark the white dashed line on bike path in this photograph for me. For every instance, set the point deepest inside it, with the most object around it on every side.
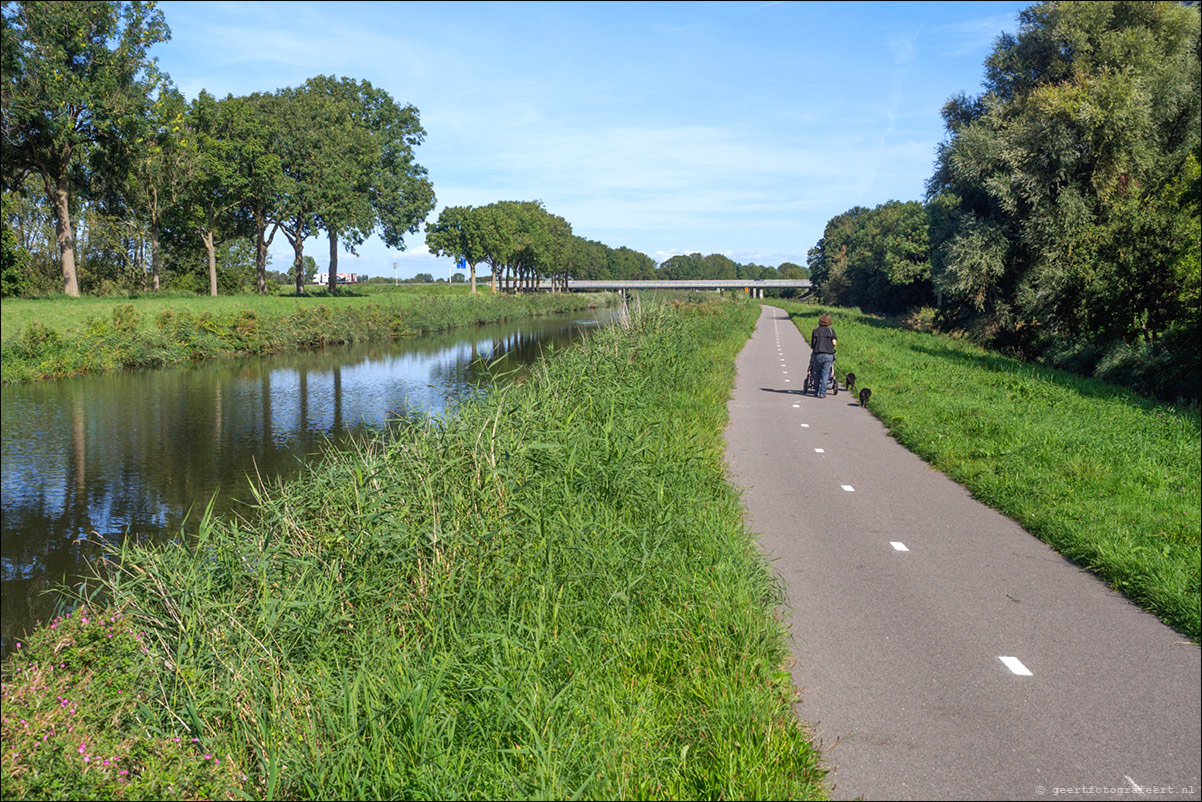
(898, 545)
(1015, 665)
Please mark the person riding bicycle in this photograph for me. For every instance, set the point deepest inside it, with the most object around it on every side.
(822, 343)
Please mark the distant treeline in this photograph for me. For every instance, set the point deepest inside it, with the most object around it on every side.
(523, 241)
(1062, 220)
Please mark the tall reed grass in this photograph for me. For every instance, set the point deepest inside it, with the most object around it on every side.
(1108, 478)
(547, 594)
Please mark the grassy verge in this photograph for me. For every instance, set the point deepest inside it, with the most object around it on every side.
(1108, 478)
(63, 337)
(550, 594)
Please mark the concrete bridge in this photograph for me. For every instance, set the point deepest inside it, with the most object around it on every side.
(755, 286)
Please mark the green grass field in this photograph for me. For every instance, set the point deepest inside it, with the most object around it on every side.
(550, 595)
(67, 315)
(50, 338)
(1108, 478)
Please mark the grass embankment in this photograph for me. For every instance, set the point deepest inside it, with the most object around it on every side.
(66, 336)
(1110, 479)
(549, 595)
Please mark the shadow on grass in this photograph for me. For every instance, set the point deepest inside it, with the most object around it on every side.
(325, 293)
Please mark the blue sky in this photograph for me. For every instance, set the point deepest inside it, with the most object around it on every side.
(718, 127)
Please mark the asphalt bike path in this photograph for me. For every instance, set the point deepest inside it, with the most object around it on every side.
(941, 651)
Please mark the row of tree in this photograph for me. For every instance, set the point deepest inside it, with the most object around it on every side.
(128, 170)
(720, 266)
(1062, 221)
(87, 115)
(523, 244)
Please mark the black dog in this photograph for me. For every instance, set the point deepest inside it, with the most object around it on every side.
(851, 382)
(865, 394)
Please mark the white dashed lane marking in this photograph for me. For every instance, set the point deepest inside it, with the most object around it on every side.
(848, 488)
(1015, 665)
(898, 545)
(820, 451)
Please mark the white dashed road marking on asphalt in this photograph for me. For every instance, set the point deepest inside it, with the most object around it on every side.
(849, 488)
(804, 425)
(820, 451)
(898, 545)
(1016, 666)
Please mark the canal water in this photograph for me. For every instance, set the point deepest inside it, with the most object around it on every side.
(141, 454)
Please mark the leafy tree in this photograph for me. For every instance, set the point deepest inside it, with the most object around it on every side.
(681, 267)
(27, 216)
(76, 79)
(159, 171)
(789, 270)
(375, 184)
(211, 204)
(13, 264)
(458, 233)
(261, 173)
(309, 141)
(497, 230)
(1057, 221)
(626, 263)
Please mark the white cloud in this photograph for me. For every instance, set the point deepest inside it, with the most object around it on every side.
(972, 36)
(901, 46)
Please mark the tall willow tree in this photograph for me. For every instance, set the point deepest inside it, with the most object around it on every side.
(76, 77)
(1058, 221)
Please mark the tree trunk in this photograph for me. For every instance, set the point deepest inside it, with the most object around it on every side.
(298, 246)
(155, 259)
(262, 242)
(59, 197)
(211, 250)
(472, 269)
(298, 249)
(333, 278)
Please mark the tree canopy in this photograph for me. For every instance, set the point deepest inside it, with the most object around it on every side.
(876, 259)
(1061, 224)
(76, 83)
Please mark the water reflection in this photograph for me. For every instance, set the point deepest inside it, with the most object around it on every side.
(138, 454)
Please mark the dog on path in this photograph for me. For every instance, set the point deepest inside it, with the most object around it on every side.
(865, 394)
(850, 382)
